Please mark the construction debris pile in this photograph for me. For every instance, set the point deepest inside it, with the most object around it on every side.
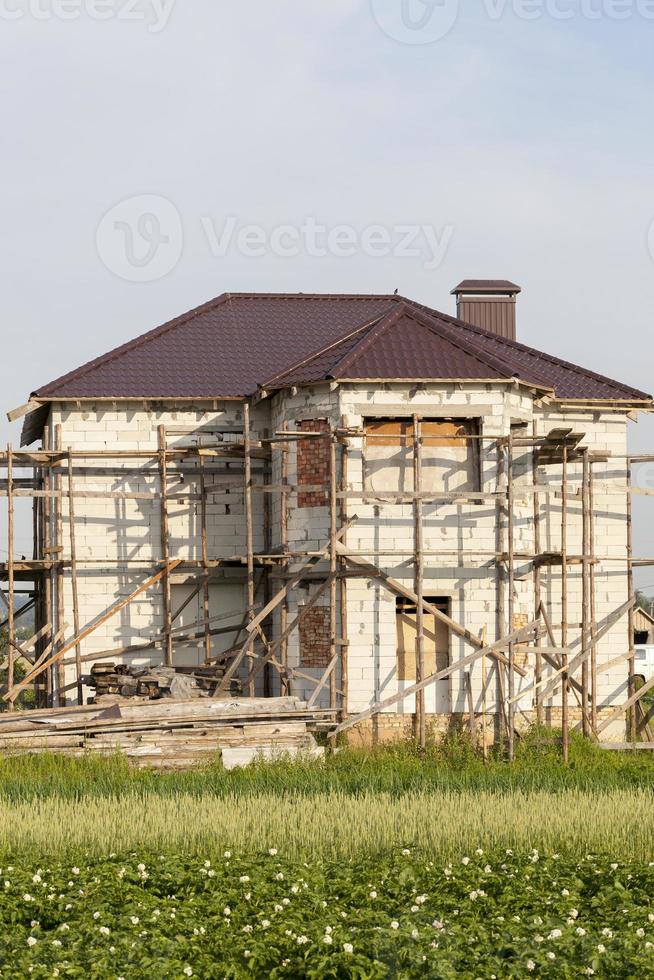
(170, 734)
(112, 681)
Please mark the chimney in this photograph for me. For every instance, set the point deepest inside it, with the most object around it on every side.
(489, 304)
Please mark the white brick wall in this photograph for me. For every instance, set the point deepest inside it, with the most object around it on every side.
(130, 528)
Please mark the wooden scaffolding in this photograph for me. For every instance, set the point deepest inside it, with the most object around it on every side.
(53, 479)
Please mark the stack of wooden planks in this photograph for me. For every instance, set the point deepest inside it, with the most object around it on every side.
(171, 734)
(127, 681)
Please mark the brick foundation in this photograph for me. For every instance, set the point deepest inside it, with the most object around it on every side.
(387, 728)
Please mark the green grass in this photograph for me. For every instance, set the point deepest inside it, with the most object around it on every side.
(452, 767)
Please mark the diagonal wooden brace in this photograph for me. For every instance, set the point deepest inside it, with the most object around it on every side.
(375, 709)
(394, 586)
(36, 670)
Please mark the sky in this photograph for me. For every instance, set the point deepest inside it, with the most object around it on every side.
(156, 154)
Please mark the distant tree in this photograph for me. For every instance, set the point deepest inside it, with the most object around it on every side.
(26, 699)
(643, 601)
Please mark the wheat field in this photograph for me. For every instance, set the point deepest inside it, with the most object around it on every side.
(334, 825)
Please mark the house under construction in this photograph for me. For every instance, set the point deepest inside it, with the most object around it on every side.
(405, 519)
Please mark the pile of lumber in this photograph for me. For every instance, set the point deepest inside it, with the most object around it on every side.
(171, 734)
(126, 681)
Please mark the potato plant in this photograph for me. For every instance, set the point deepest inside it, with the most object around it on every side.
(484, 915)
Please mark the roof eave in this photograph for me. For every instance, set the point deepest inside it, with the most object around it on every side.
(628, 404)
(520, 382)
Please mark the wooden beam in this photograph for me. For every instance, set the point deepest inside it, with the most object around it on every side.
(636, 696)
(593, 596)
(471, 709)
(54, 585)
(26, 648)
(394, 586)
(10, 573)
(595, 637)
(189, 599)
(22, 410)
(538, 674)
(205, 568)
(491, 650)
(333, 562)
(510, 497)
(283, 540)
(249, 535)
(327, 675)
(73, 579)
(565, 729)
(419, 571)
(19, 612)
(344, 651)
(298, 576)
(89, 630)
(585, 586)
(274, 646)
(165, 546)
(630, 592)
(626, 746)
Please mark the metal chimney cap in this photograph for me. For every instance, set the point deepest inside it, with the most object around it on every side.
(486, 287)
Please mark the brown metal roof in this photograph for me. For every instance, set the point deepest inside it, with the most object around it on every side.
(486, 286)
(405, 343)
(238, 343)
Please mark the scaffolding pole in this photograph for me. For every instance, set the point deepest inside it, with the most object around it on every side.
(537, 580)
(165, 548)
(565, 730)
(585, 588)
(11, 634)
(511, 587)
(249, 538)
(343, 586)
(631, 717)
(73, 580)
(334, 647)
(419, 572)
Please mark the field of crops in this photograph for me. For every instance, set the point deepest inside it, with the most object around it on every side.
(369, 865)
(494, 914)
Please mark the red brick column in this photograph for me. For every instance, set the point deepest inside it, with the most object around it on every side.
(313, 464)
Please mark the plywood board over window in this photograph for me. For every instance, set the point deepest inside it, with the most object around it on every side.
(450, 455)
(436, 647)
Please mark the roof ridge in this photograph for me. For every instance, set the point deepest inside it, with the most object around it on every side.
(323, 296)
(134, 344)
(488, 360)
(323, 350)
(379, 328)
(525, 348)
